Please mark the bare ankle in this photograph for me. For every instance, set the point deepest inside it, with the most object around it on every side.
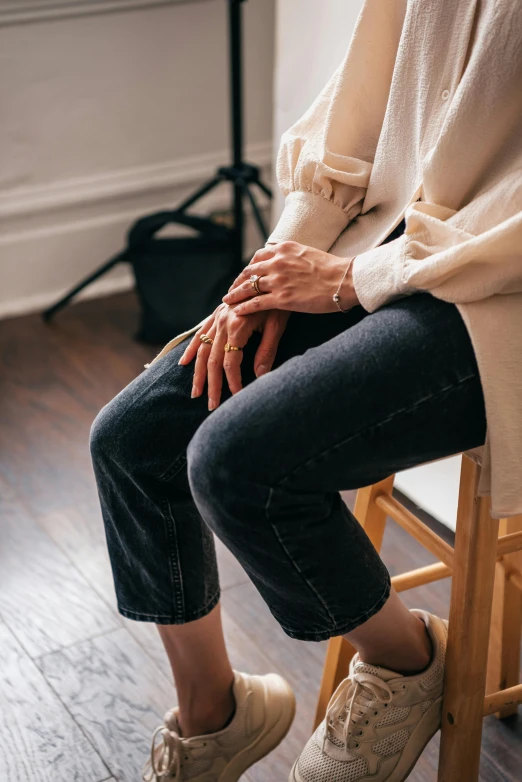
(196, 721)
(411, 657)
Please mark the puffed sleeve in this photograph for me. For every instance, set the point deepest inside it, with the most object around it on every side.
(325, 159)
(437, 255)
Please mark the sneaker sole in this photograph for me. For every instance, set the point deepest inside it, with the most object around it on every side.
(421, 736)
(269, 739)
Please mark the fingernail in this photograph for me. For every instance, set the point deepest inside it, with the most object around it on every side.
(262, 369)
(194, 391)
(211, 404)
(225, 298)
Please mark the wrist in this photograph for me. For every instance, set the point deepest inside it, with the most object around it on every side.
(347, 291)
(345, 297)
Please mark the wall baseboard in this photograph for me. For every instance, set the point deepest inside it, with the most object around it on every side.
(53, 236)
(32, 200)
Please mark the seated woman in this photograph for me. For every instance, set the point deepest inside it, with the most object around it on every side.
(336, 359)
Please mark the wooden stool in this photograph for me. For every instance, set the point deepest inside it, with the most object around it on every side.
(485, 621)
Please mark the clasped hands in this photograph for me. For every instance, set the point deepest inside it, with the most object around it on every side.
(292, 277)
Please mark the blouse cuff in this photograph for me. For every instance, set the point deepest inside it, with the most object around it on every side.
(309, 219)
(378, 275)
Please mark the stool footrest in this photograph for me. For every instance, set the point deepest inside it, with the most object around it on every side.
(498, 700)
(507, 544)
(420, 576)
(421, 532)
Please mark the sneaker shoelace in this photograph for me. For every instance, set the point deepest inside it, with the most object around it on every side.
(165, 758)
(351, 703)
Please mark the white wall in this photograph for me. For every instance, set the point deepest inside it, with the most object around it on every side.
(311, 40)
(106, 116)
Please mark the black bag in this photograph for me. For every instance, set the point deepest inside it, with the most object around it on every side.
(179, 280)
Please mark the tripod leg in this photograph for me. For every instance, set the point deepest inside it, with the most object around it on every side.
(264, 188)
(203, 190)
(239, 223)
(48, 313)
(257, 214)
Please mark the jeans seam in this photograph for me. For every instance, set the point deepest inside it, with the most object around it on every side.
(368, 429)
(290, 557)
(347, 627)
(178, 594)
(174, 468)
(174, 619)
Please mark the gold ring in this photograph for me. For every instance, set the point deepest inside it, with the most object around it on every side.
(254, 279)
(206, 339)
(229, 347)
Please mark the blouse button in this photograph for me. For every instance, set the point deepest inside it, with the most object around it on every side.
(445, 95)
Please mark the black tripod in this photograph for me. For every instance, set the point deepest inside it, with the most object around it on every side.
(242, 175)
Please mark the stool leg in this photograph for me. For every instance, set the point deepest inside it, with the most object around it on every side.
(511, 642)
(369, 515)
(506, 622)
(495, 671)
(340, 652)
(337, 661)
(470, 616)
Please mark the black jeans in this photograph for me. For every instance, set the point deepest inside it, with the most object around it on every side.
(353, 398)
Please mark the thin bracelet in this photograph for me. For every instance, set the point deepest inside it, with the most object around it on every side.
(336, 296)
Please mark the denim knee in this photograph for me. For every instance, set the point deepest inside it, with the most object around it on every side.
(215, 457)
(124, 434)
(146, 426)
(108, 440)
(101, 438)
(203, 457)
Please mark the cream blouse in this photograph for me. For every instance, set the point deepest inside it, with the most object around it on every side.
(422, 120)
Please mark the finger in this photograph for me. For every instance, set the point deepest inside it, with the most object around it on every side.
(192, 347)
(266, 352)
(263, 267)
(232, 366)
(268, 301)
(246, 290)
(215, 368)
(200, 367)
(237, 335)
(263, 253)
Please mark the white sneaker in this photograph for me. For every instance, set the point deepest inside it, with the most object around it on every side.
(265, 708)
(377, 722)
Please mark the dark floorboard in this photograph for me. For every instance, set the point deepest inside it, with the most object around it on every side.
(81, 688)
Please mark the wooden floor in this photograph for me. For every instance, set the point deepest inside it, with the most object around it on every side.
(81, 688)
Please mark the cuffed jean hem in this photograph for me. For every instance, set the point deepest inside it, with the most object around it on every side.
(165, 619)
(342, 629)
